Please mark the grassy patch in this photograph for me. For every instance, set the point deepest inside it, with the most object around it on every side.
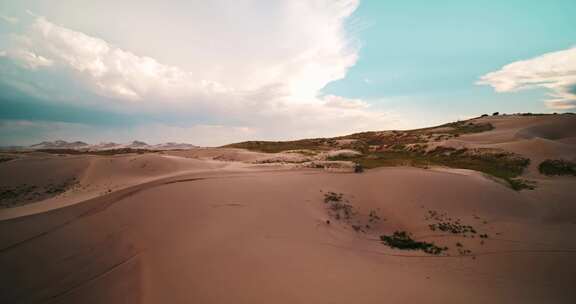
(464, 127)
(557, 167)
(506, 166)
(22, 194)
(402, 240)
(280, 146)
(521, 184)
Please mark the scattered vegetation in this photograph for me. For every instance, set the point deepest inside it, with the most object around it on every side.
(557, 167)
(340, 208)
(454, 228)
(410, 148)
(443, 223)
(463, 127)
(504, 165)
(365, 141)
(534, 114)
(447, 224)
(373, 217)
(24, 193)
(521, 184)
(332, 197)
(402, 240)
(280, 146)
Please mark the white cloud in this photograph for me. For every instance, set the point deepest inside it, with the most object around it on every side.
(554, 71)
(108, 70)
(315, 52)
(9, 19)
(344, 103)
(261, 87)
(28, 59)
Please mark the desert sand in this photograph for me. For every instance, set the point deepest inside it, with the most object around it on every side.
(223, 225)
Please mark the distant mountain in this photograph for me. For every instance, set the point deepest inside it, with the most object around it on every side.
(79, 145)
(106, 146)
(138, 145)
(60, 144)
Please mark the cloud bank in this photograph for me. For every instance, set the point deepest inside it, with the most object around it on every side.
(554, 71)
(278, 95)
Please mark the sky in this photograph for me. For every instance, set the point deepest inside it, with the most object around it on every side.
(216, 72)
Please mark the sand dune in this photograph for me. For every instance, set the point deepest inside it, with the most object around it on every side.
(512, 127)
(210, 226)
(88, 176)
(535, 137)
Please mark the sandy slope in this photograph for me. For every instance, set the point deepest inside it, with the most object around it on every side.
(253, 237)
(185, 228)
(94, 175)
(535, 137)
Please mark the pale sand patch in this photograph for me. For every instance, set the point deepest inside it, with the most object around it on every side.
(165, 242)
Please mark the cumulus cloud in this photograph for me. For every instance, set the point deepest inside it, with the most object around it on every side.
(245, 90)
(554, 71)
(107, 69)
(320, 54)
(28, 59)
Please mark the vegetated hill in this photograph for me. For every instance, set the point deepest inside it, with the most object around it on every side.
(428, 146)
(369, 141)
(377, 140)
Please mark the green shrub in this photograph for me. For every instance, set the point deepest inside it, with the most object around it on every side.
(557, 167)
(521, 184)
(402, 240)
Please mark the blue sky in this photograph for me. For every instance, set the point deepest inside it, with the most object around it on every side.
(433, 52)
(211, 73)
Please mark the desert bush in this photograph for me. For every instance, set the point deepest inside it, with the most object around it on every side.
(402, 240)
(521, 184)
(332, 197)
(557, 167)
(339, 207)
